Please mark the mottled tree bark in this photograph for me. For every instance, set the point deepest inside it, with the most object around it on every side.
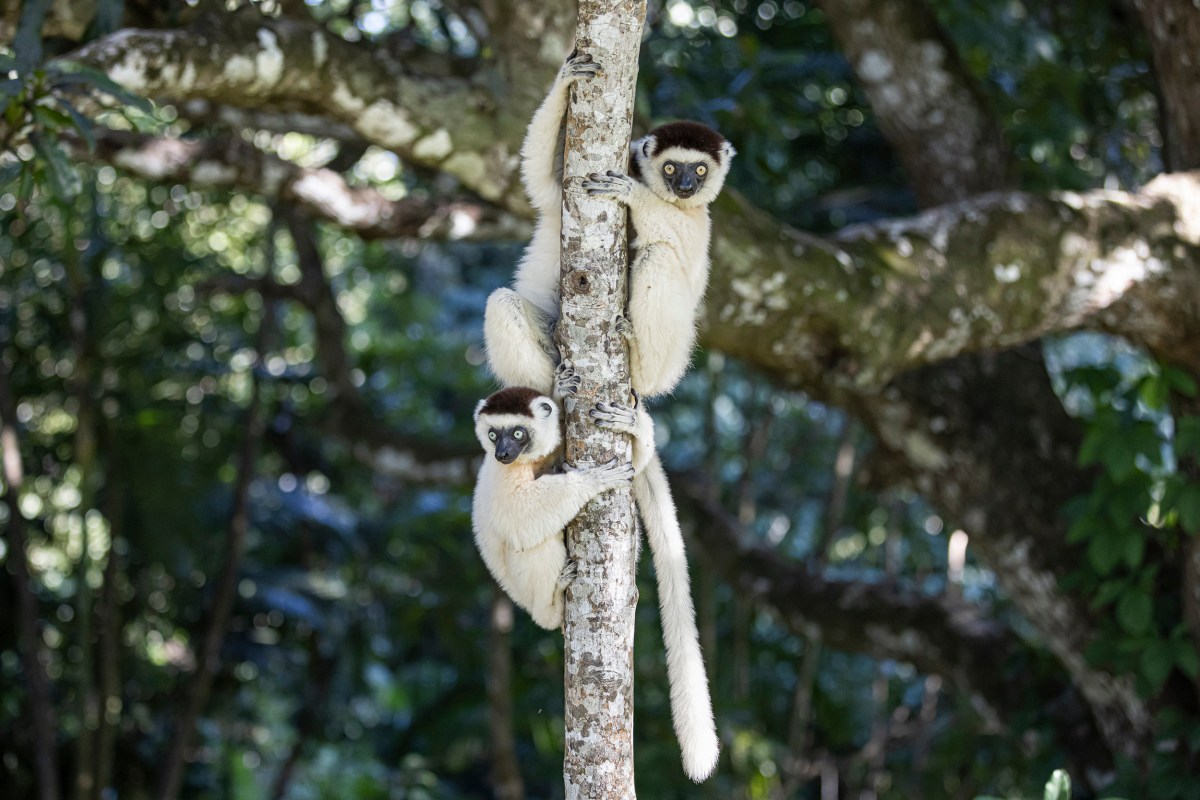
(1173, 30)
(601, 603)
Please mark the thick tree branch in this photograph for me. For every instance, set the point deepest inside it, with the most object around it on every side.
(843, 316)
(289, 65)
(231, 163)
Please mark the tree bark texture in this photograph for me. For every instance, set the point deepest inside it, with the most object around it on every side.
(1173, 29)
(601, 603)
(928, 106)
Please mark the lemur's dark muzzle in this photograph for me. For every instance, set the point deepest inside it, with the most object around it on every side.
(508, 448)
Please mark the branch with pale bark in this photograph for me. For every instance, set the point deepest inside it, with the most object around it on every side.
(439, 121)
(232, 163)
(843, 316)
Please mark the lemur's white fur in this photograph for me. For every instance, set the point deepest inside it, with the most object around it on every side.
(518, 321)
(670, 268)
(519, 512)
(667, 282)
(519, 509)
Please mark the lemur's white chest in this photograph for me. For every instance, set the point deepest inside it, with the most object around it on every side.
(683, 234)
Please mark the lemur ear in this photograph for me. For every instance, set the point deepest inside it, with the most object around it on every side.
(544, 408)
(479, 408)
(727, 152)
(647, 145)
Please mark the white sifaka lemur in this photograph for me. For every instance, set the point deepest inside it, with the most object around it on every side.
(681, 168)
(684, 166)
(521, 506)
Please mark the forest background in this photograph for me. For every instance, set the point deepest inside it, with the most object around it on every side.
(938, 456)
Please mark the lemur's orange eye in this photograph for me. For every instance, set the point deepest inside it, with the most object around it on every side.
(669, 169)
(701, 170)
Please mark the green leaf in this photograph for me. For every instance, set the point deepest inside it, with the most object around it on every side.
(81, 124)
(68, 72)
(64, 180)
(1109, 591)
(25, 187)
(1135, 611)
(1118, 458)
(51, 118)
(1058, 787)
(1156, 662)
(1105, 550)
(1187, 436)
(1082, 529)
(1093, 445)
(1135, 548)
(10, 170)
(1186, 658)
(1154, 391)
(1189, 507)
(1181, 381)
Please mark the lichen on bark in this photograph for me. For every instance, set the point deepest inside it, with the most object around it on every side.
(599, 621)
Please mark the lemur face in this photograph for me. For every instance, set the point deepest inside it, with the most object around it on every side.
(684, 178)
(684, 163)
(517, 424)
(508, 442)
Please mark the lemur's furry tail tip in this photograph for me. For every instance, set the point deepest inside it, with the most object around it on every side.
(700, 756)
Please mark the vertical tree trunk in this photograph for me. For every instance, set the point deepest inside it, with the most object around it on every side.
(41, 706)
(506, 771)
(208, 652)
(599, 623)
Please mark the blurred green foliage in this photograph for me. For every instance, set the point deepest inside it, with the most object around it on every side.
(358, 644)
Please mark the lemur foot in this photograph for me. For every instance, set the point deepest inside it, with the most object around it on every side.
(579, 65)
(610, 184)
(566, 380)
(624, 327)
(614, 416)
(570, 572)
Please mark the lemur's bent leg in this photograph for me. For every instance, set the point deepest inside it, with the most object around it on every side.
(515, 333)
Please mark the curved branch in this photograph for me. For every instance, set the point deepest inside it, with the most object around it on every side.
(844, 316)
(232, 163)
(282, 64)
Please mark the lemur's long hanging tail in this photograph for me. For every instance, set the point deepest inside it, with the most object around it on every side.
(691, 707)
